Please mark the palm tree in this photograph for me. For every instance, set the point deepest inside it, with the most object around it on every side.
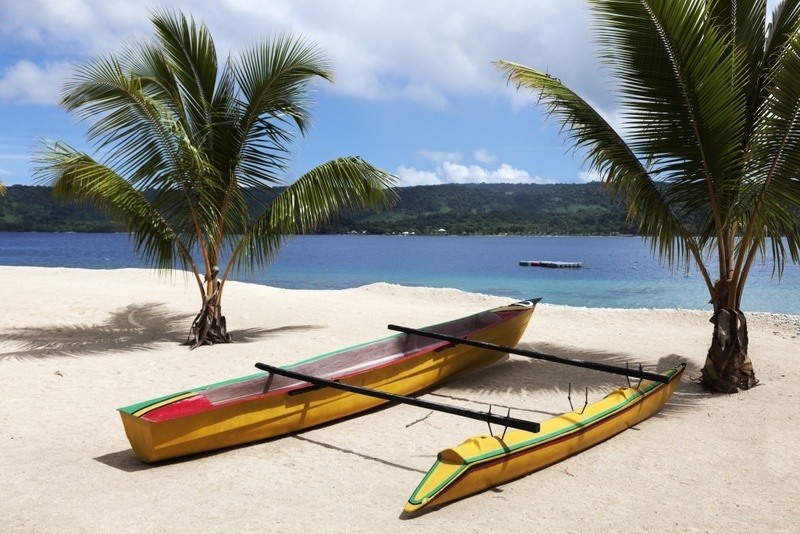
(2, 189)
(194, 155)
(710, 156)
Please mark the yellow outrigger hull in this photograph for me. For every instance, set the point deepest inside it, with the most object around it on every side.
(263, 406)
(483, 462)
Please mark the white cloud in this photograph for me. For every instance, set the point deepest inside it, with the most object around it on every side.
(73, 27)
(430, 53)
(419, 50)
(414, 50)
(450, 172)
(505, 174)
(411, 177)
(28, 83)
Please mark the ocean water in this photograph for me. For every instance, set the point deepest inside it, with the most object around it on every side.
(617, 272)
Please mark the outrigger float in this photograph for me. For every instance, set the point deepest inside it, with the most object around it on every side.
(483, 462)
(267, 405)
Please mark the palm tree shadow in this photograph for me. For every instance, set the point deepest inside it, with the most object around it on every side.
(137, 327)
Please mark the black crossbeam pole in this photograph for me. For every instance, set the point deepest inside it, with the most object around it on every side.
(487, 417)
(606, 368)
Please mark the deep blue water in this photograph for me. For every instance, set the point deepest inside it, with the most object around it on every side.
(617, 272)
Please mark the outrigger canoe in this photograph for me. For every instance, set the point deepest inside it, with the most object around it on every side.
(483, 462)
(266, 405)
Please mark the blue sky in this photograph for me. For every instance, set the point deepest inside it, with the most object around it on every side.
(415, 91)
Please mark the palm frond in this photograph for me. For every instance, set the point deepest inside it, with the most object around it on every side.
(133, 130)
(676, 68)
(187, 145)
(332, 190)
(711, 103)
(75, 176)
(782, 28)
(743, 22)
(192, 57)
(275, 77)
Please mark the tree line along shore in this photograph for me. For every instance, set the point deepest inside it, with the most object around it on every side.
(453, 209)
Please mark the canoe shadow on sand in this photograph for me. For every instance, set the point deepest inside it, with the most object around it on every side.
(136, 327)
(127, 461)
(519, 376)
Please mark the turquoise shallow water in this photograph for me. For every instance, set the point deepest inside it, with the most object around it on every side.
(617, 272)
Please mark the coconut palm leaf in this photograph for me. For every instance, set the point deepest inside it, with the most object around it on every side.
(323, 194)
(77, 177)
(274, 77)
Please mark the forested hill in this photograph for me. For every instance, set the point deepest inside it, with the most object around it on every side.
(32, 209)
(473, 209)
(557, 209)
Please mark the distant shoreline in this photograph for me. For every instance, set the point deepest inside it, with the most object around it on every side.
(353, 234)
(789, 319)
(459, 209)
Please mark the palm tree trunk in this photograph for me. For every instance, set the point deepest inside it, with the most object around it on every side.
(728, 368)
(209, 327)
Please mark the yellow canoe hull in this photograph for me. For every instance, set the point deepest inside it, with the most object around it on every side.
(483, 462)
(263, 406)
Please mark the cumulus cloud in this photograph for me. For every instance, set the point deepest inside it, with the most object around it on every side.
(418, 51)
(450, 171)
(415, 50)
(71, 27)
(433, 55)
(28, 83)
(411, 177)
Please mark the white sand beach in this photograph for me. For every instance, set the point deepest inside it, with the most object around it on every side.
(75, 345)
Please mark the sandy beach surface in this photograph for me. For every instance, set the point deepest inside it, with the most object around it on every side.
(75, 345)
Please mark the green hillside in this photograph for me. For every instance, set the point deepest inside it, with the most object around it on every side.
(558, 209)
(473, 209)
(32, 209)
